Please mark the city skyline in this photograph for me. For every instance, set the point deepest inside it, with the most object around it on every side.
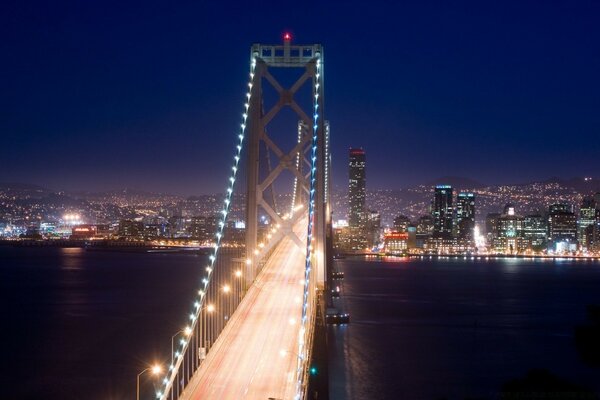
(290, 201)
(118, 96)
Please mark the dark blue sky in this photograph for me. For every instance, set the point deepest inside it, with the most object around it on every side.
(99, 95)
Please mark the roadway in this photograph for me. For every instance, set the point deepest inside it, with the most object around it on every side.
(246, 360)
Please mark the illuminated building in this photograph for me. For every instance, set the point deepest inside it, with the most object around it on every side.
(202, 228)
(510, 233)
(350, 240)
(90, 231)
(596, 229)
(395, 243)
(446, 245)
(586, 222)
(373, 228)
(425, 225)
(401, 223)
(82, 232)
(465, 216)
(535, 231)
(129, 229)
(357, 188)
(562, 228)
(412, 238)
(491, 226)
(442, 211)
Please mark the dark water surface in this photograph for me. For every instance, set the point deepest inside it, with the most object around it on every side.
(455, 329)
(81, 325)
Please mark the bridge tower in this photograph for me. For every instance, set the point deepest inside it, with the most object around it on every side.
(312, 142)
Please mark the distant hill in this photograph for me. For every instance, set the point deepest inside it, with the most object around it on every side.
(24, 189)
(582, 185)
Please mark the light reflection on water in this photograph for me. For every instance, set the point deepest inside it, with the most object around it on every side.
(455, 328)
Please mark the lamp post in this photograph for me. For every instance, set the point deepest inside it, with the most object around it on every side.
(207, 331)
(187, 331)
(226, 290)
(238, 275)
(155, 369)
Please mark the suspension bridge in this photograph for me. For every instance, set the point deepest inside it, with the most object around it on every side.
(250, 330)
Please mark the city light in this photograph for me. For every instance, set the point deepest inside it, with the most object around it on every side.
(156, 369)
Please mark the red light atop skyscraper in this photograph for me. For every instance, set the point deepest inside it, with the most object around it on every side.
(287, 36)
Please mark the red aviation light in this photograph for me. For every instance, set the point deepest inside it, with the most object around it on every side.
(287, 36)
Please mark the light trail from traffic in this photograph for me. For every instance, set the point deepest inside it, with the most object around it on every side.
(247, 361)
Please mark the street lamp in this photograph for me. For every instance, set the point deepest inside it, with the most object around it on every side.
(155, 369)
(207, 331)
(187, 331)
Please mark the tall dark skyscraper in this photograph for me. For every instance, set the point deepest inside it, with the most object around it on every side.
(585, 224)
(442, 211)
(562, 227)
(465, 215)
(357, 188)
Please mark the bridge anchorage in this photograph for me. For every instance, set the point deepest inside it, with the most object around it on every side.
(251, 329)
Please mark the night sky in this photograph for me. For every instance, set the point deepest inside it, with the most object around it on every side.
(108, 95)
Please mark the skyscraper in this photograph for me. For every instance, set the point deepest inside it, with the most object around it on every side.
(510, 238)
(465, 215)
(442, 211)
(562, 228)
(401, 223)
(535, 231)
(587, 219)
(357, 188)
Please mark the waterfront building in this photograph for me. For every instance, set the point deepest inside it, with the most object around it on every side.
(395, 243)
(401, 223)
(129, 229)
(372, 229)
(562, 228)
(510, 235)
(349, 239)
(535, 231)
(357, 188)
(491, 226)
(446, 245)
(425, 225)
(83, 232)
(596, 229)
(412, 238)
(442, 211)
(465, 216)
(202, 228)
(587, 219)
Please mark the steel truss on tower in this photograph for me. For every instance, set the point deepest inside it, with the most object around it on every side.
(310, 124)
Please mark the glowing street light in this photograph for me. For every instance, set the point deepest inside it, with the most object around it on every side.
(155, 370)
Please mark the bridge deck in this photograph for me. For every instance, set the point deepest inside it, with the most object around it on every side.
(245, 362)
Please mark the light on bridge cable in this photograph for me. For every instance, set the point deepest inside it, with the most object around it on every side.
(309, 249)
(169, 379)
